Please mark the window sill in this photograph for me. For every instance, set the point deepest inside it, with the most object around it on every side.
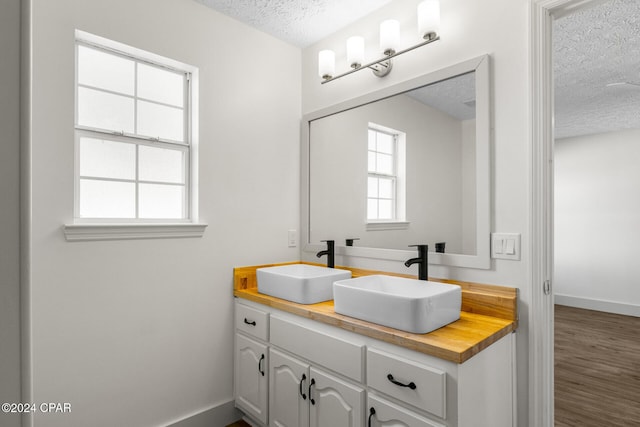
(392, 225)
(92, 232)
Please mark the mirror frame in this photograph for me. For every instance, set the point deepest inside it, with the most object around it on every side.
(482, 257)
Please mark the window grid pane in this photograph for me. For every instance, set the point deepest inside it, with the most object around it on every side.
(106, 71)
(101, 158)
(161, 165)
(107, 199)
(160, 85)
(159, 121)
(105, 110)
(158, 201)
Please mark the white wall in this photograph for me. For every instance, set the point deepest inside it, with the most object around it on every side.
(9, 208)
(469, 28)
(597, 210)
(140, 332)
(338, 175)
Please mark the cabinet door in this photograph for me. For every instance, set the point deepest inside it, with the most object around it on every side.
(251, 377)
(334, 402)
(288, 391)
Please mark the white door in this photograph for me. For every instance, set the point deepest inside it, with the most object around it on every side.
(288, 391)
(251, 377)
(334, 402)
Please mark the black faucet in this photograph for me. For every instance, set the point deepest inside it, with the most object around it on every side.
(422, 259)
(329, 252)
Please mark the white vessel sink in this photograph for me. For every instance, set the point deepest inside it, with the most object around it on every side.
(301, 283)
(411, 305)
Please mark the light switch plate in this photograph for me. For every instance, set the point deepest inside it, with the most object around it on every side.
(505, 246)
(292, 238)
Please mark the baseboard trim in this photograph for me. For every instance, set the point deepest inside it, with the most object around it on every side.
(598, 305)
(220, 415)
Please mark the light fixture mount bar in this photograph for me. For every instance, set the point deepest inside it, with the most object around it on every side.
(382, 61)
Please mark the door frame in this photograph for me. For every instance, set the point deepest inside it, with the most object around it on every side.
(541, 336)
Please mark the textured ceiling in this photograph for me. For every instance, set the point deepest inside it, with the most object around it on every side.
(596, 51)
(299, 22)
(455, 96)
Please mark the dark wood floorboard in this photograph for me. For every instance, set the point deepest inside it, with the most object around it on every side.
(597, 369)
(239, 424)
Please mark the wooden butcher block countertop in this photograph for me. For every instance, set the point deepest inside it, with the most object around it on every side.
(488, 313)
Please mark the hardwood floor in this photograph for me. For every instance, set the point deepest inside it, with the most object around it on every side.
(597, 369)
(239, 424)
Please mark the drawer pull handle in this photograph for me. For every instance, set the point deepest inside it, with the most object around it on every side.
(304, 396)
(260, 365)
(411, 385)
(311, 399)
(372, 412)
(252, 323)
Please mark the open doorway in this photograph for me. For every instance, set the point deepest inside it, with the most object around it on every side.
(596, 212)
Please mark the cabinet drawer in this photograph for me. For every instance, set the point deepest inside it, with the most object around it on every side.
(417, 384)
(252, 321)
(381, 412)
(342, 356)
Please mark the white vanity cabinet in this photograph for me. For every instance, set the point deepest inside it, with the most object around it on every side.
(324, 376)
(251, 362)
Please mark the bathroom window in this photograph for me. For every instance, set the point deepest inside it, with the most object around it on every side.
(133, 127)
(385, 180)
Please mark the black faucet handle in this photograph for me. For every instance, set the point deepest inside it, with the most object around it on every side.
(349, 242)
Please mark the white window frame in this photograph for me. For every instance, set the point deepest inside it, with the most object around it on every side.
(398, 220)
(379, 175)
(137, 228)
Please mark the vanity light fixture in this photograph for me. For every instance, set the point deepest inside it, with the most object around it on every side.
(326, 63)
(429, 18)
(355, 51)
(389, 36)
(428, 27)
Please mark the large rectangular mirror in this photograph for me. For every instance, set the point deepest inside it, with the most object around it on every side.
(405, 165)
